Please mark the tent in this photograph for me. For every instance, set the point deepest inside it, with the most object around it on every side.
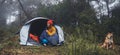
(36, 27)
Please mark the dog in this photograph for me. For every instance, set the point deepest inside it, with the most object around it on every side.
(108, 43)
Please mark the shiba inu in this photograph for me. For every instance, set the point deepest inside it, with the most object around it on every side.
(108, 43)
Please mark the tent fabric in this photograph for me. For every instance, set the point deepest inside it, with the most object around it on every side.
(37, 18)
(36, 26)
(60, 33)
(24, 34)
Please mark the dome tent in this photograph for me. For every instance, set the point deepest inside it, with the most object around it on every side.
(36, 26)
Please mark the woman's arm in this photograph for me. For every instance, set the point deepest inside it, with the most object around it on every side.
(52, 32)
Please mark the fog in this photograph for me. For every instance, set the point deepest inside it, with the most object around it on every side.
(100, 6)
(10, 10)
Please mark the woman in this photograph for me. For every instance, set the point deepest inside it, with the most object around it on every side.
(49, 36)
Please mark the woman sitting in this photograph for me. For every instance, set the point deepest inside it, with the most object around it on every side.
(49, 35)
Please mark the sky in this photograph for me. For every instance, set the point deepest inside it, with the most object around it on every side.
(11, 10)
(101, 7)
(46, 2)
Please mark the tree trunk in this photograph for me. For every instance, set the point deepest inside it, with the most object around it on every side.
(26, 14)
(107, 4)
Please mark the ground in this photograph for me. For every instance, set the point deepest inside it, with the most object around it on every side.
(82, 46)
(12, 47)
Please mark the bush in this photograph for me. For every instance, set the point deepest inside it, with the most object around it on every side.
(83, 44)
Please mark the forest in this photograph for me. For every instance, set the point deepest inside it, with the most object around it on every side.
(85, 24)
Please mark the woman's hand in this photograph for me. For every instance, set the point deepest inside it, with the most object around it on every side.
(46, 30)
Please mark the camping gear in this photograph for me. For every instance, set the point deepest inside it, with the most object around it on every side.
(35, 27)
(35, 38)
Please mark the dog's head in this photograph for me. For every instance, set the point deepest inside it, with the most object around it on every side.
(109, 35)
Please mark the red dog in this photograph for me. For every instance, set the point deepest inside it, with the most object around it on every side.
(108, 43)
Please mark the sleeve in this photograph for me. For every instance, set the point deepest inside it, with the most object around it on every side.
(53, 31)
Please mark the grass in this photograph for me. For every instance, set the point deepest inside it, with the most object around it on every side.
(12, 47)
(85, 47)
(75, 44)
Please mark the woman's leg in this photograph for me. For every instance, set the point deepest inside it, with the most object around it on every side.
(53, 40)
(43, 37)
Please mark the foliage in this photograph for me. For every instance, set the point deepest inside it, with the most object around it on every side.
(83, 31)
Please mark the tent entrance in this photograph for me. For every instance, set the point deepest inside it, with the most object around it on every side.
(37, 26)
